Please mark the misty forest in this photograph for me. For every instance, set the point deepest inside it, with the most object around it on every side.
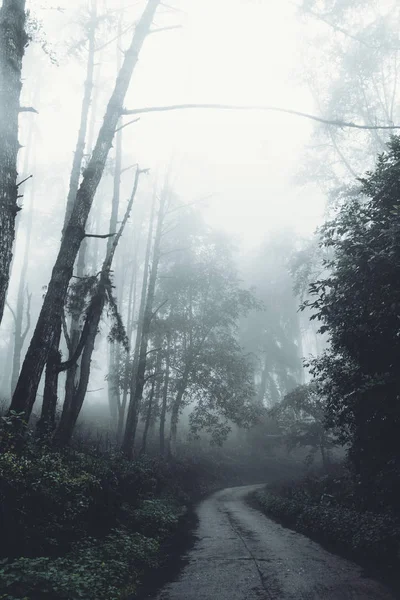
(200, 300)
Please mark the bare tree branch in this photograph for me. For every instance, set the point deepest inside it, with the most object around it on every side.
(28, 109)
(126, 125)
(335, 122)
(159, 29)
(102, 237)
(153, 314)
(130, 26)
(11, 310)
(23, 181)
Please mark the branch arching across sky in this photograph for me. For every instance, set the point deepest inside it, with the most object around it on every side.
(325, 121)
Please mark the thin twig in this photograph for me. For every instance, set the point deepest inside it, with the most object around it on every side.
(126, 124)
(159, 29)
(23, 181)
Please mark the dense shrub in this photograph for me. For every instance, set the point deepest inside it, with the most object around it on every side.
(46, 502)
(92, 571)
(88, 525)
(365, 535)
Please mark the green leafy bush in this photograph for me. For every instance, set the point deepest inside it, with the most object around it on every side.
(45, 502)
(109, 570)
(155, 517)
(366, 535)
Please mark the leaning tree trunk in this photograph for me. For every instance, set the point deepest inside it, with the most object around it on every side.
(53, 305)
(71, 411)
(13, 40)
(83, 126)
(72, 408)
(74, 332)
(46, 423)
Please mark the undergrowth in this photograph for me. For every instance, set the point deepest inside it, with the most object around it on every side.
(328, 509)
(80, 525)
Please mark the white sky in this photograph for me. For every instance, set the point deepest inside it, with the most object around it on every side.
(229, 51)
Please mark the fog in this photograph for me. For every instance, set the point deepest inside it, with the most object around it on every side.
(250, 184)
(199, 299)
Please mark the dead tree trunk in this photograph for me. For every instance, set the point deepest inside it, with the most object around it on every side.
(53, 305)
(13, 40)
(138, 375)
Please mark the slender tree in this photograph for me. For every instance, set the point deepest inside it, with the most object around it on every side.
(53, 305)
(102, 294)
(138, 375)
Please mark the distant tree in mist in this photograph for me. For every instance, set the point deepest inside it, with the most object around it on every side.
(273, 335)
(354, 77)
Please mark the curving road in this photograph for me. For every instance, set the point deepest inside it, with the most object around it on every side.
(241, 555)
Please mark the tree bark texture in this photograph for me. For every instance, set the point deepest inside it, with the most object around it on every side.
(13, 40)
(53, 305)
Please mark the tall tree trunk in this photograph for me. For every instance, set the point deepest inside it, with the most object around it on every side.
(127, 365)
(46, 423)
(114, 349)
(53, 305)
(153, 399)
(138, 375)
(13, 40)
(70, 412)
(163, 414)
(83, 126)
(72, 409)
(20, 334)
(74, 333)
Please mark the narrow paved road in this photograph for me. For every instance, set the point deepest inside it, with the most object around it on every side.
(241, 555)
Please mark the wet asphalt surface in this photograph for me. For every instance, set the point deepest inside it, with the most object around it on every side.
(239, 554)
